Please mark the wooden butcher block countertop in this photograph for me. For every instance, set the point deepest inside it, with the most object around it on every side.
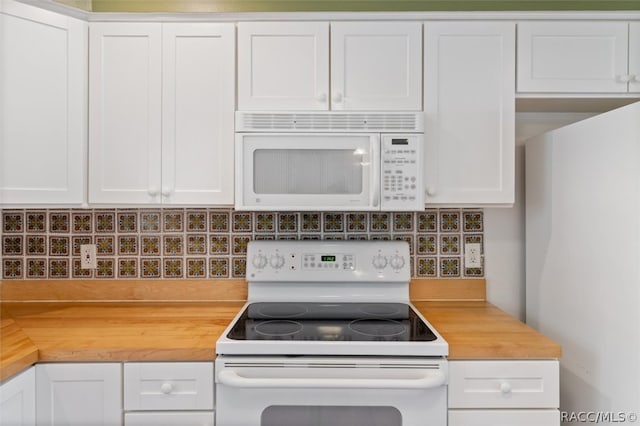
(175, 330)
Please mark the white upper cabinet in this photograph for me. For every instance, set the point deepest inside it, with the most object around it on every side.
(376, 66)
(198, 88)
(161, 113)
(634, 56)
(290, 66)
(469, 105)
(575, 57)
(43, 75)
(283, 65)
(124, 112)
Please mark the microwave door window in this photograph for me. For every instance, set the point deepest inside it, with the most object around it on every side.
(308, 171)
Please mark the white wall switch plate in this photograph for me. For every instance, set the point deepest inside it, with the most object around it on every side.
(88, 256)
(472, 256)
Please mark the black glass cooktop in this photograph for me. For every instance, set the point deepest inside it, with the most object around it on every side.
(331, 322)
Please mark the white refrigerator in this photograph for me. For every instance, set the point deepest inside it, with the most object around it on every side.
(583, 260)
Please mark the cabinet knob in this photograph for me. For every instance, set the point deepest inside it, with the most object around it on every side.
(166, 388)
(430, 191)
(337, 97)
(505, 388)
(322, 97)
(626, 78)
(636, 78)
(153, 191)
(166, 191)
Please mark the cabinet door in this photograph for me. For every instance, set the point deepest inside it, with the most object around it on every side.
(79, 394)
(572, 57)
(469, 105)
(376, 66)
(283, 65)
(125, 112)
(504, 417)
(634, 56)
(198, 87)
(18, 400)
(43, 114)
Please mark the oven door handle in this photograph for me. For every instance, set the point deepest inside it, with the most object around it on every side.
(231, 378)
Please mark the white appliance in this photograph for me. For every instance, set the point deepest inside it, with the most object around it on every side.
(583, 259)
(328, 338)
(329, 160)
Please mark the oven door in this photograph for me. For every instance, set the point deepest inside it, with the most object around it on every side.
(306, 391)
(307, 171)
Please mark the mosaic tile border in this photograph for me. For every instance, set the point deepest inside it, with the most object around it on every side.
(200, 243)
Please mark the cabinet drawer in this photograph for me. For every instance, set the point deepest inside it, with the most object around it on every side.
(170, 418)
(168, 386)
(504, 417)
(503, 384)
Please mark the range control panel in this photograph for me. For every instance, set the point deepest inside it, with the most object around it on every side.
(322, 261)
(328, 261)
(401, 172)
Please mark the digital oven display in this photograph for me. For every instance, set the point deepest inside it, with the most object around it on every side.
(327, 258)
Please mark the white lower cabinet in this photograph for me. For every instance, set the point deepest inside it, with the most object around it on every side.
(502, 393)
(170, 418)
(79, 394)
(18, 400)
(168, 393)
(503, 417)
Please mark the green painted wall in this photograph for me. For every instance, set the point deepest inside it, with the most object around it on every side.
(79, 4)
(348, 5)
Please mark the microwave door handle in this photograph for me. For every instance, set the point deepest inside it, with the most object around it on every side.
(376, 166)
(431, 380)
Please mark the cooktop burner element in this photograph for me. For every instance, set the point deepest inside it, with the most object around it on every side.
(281, 310)
(278, 328)
(331, 321)
(377, 328)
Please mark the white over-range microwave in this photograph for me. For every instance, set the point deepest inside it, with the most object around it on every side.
(329, 161)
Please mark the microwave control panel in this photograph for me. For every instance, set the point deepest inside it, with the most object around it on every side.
(401, 172)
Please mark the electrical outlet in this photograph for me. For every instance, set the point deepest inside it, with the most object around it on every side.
(88, 256)
(472, 255)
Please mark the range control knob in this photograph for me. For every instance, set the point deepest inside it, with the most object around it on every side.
(397, 262)
(259, 261)
(379, 261)
(276, 261)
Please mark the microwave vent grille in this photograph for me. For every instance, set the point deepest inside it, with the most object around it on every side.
(329, 122)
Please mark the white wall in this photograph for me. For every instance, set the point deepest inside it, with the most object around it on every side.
(504, 228)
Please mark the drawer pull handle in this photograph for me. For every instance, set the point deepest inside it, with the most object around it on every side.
(166, 388)
(505, 388)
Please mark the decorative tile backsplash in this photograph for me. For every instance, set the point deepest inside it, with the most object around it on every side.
(212, 243)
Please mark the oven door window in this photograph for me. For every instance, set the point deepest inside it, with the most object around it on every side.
(306, 415)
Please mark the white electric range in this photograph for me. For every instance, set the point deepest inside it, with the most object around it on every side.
(328, 337)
